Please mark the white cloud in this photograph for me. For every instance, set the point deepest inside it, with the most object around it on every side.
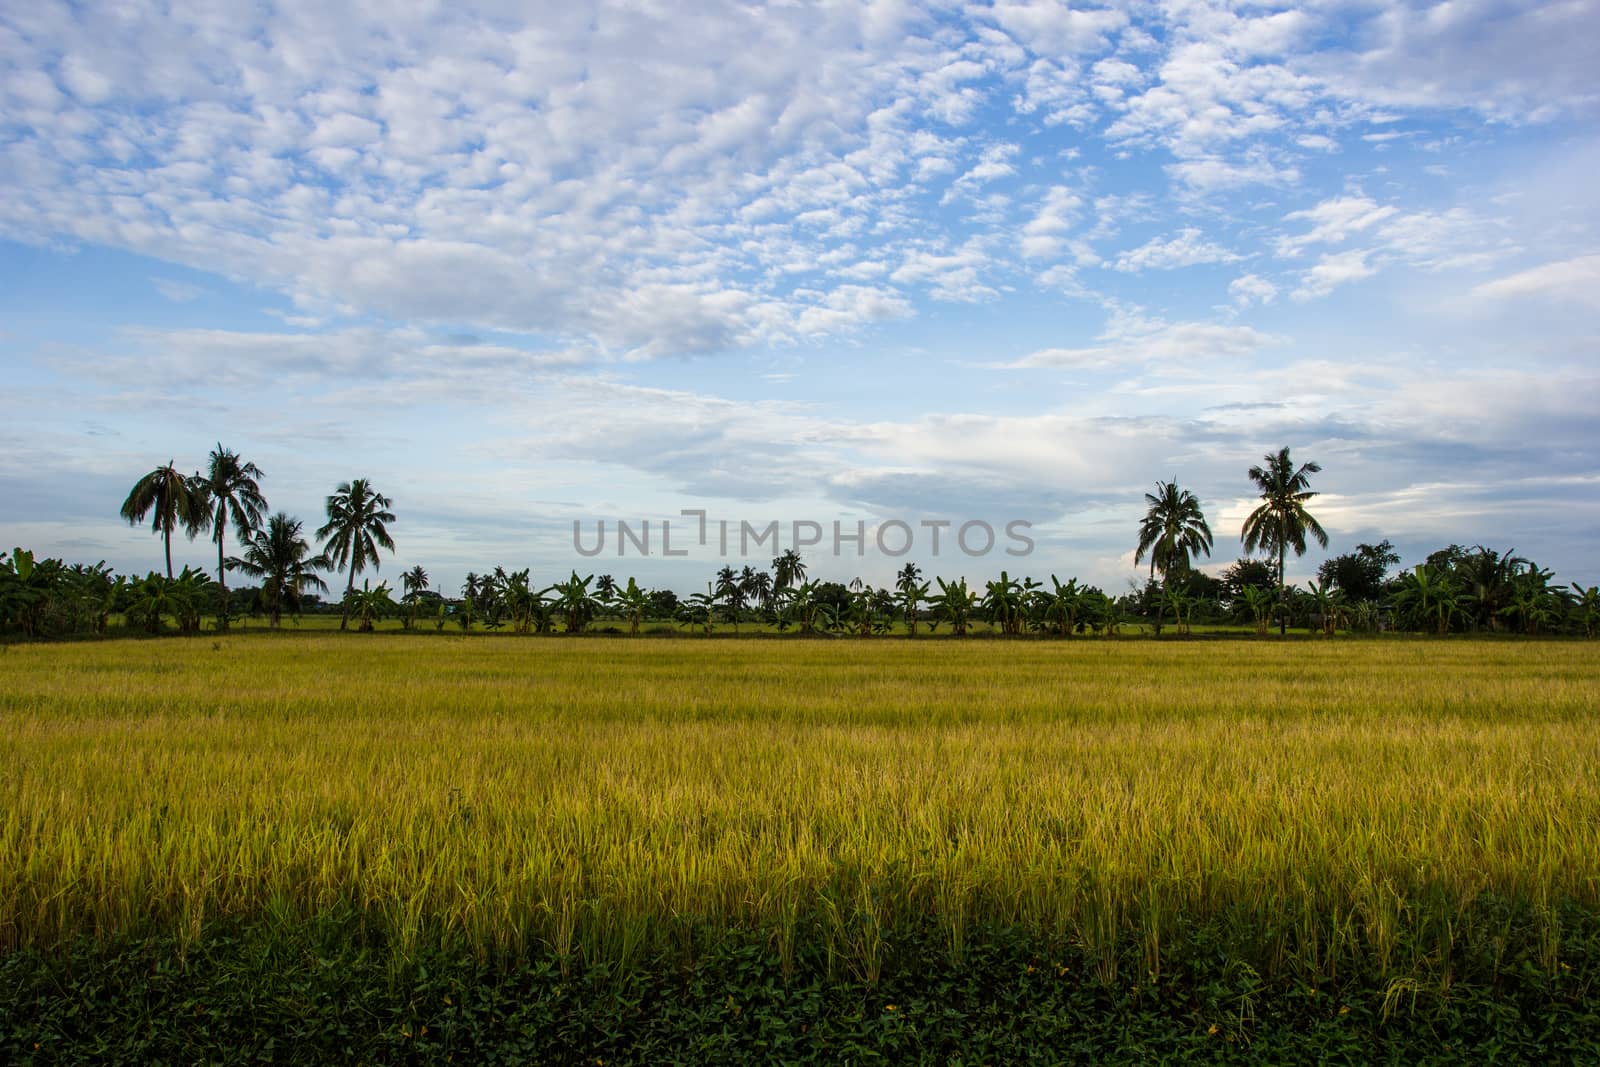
(1334, 220)
(1186, 249)
(1052, 27)
(1333, 270)
(1178, 343)
(1576, 280)
(1249, 289)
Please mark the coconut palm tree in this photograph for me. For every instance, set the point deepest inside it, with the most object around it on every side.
(414, 582)
(730, 591)
(1281, 522)
(788, 569)
(1174, 530)
(357, 526)
(282, 559)
(232, 491)
(757, 586)
(173, 498)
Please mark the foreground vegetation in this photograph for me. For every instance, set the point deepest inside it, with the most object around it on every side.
(1248, 840)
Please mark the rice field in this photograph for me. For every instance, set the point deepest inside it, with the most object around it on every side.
(1341, 802)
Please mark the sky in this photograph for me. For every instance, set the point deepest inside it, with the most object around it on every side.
(526, 265)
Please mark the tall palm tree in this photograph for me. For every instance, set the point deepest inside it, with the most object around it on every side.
(1174, 529)
(1281, 522)
(173, 498)
(231, 491)
(282, 559)
(357, 526)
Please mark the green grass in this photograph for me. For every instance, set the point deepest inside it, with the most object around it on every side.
(1320, 810)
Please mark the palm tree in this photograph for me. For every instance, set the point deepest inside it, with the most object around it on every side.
(356, 528)
(1281, 521)
(731, 592)
(605, 590)
(414, 581)
(788, 569)
(174, 499)
(282, 559)
(231, 491)
(1174, 529)
(757, 585)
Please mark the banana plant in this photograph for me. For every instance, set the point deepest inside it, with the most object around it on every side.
(700, 609)
(955, 603)
(634, 602)
(368, 605)
(1329, 603)
(1259, 602)
(574, 603)
(1428, 596)
(1006, 601)
(1586, 608)
(801, 607)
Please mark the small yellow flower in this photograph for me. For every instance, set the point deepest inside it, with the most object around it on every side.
(890, 1007)
(1344, 1009)
(1212, 1029)
(1030, 968)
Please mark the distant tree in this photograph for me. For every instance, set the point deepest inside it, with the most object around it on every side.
(282, 560)
(1281, 522)
(1173, 531)
(663, 604)
(175, 501)
(357, 526)
(1360, 575)
(232, 491)
(1244, 573)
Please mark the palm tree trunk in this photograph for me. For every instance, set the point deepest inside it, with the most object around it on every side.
(169, 553)
(1283, 600)
(222, 574)
(350, 587)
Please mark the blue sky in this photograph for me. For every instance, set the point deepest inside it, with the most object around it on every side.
(830, 262)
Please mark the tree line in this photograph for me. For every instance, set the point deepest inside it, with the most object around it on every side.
(1454, 590)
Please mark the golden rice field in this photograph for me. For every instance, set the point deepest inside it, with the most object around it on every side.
(602, 797)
